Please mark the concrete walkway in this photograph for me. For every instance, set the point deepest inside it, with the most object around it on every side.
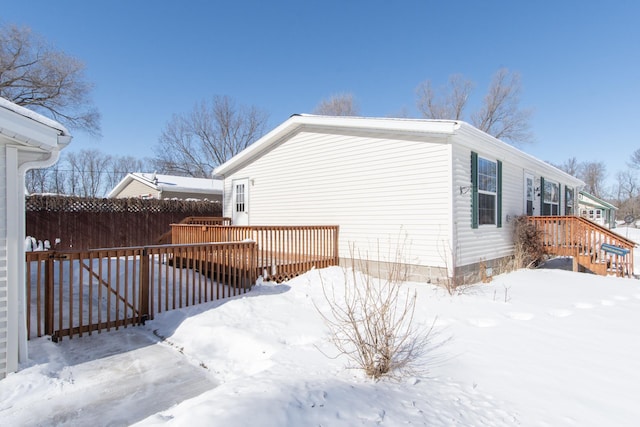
(150, 376)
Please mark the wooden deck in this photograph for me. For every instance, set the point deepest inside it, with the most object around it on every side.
(594, 248)
(283, 252)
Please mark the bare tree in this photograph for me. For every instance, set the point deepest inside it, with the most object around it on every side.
(628, 190)
(342, 104)
(501, 115)
(58, 179)
(37, 180)
(120, 167)
(47, 180)
(627, 185)
(35, 75)
(593, 174)
(570, 166)
(634, 161)
(88, 171)
(194, 144)
(447, 102)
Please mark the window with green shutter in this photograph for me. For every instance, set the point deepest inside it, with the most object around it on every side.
(486, 187)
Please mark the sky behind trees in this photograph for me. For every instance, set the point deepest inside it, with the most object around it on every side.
(577, 60)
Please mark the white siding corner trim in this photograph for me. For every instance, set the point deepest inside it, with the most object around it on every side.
(12, 260)
(4, 284)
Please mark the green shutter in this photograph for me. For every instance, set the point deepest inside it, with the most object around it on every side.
(541, 196)
(474, 190)
(499, 207)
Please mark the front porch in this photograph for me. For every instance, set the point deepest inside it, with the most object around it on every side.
(594, 248)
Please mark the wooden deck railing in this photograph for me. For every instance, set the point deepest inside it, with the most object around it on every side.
(583, 240)
(76, 292)
(282, 252)
(165, 239)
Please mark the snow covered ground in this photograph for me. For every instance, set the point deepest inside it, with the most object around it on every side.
(540, 347)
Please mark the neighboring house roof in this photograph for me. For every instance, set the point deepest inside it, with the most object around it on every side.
(591, 200)
(170, 183)
(379, 127)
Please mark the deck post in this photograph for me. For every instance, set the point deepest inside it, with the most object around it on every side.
(143, 311)
(48, 294)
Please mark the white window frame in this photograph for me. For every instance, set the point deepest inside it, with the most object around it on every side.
(551, 201)
(487, 187)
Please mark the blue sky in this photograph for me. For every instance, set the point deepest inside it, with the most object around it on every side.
(579, 61)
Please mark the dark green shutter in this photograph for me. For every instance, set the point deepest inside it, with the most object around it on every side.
(474, 190)
(541, 196)
(499, 207)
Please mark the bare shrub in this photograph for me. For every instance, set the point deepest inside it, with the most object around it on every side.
(527, 240)
(371, 321)
(485, 277)
(455, 282)
(452, 280)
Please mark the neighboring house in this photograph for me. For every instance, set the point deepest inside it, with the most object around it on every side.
(437, 195)
(156, 186)
(596, 210)
(27, 140)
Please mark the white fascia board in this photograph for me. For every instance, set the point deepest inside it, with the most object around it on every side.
(118, 188)
(127, 179)
(271, 137)
(28, 128)
(509, 150)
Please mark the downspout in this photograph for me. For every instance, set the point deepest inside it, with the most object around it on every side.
(48, 159)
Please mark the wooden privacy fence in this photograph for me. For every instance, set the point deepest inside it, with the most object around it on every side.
(282, 252)
(85, 223)
(592, 246)
(77, 292)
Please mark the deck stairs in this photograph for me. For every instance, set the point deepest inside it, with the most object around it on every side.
(594, 248)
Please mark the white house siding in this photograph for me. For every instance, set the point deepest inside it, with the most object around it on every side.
(475, 245)
(378, 190)
(487, 242)
(4, 315)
